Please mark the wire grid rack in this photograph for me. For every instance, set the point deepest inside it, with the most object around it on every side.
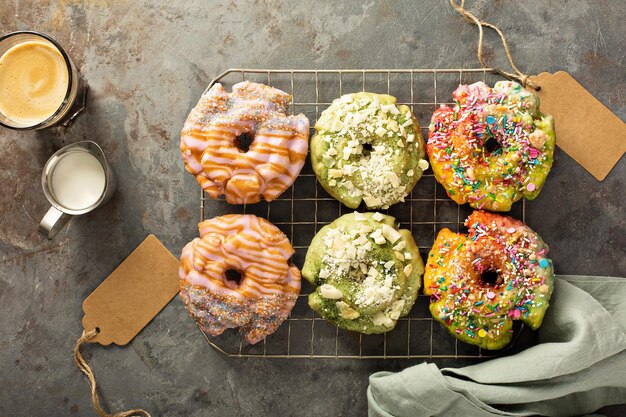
(305, 207)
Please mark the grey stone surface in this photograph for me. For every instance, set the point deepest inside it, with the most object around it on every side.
(147, 64)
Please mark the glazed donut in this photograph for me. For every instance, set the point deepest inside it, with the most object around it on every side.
(366, 272)
(493, 148)
(213, 148)
(269, 284)
(479, 283)
(365, 148)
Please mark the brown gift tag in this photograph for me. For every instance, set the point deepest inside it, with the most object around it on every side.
(585, 129)
(133, 294)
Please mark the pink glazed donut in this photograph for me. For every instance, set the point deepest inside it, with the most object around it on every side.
(267, 290)
(214, 135)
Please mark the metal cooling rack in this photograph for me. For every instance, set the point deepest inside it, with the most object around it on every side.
(306, 207)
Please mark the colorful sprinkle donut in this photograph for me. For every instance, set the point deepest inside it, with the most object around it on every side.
(366, 148)
(493, 148)
(479, 283)
(256, 250)
(367, 272)
(214, 149)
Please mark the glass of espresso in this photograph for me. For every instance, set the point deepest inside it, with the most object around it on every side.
(40, 86)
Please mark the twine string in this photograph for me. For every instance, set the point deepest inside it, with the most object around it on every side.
(82, 364)
(459, 5)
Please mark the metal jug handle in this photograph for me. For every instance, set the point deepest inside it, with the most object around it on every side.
(52, 222)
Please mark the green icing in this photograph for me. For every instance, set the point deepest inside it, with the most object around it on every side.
(538, 175)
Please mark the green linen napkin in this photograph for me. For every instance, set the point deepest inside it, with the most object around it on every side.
(578, 366)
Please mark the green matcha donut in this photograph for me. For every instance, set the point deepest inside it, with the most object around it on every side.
(365, 148)
(367, 272)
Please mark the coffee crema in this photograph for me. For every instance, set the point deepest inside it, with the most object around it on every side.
(34, 80)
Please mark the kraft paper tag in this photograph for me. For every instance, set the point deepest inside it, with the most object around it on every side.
(133, 294)
(585, 129)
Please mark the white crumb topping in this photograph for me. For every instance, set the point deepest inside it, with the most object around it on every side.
(359, 216)
(378, 216)
(373, 174)
(347, 312)
(348, 255)
(330, 292)
(390, 315)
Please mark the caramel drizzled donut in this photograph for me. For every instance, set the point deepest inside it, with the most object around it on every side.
(269, 284)
(210, 136)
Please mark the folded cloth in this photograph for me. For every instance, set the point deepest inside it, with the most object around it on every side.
(578, 366)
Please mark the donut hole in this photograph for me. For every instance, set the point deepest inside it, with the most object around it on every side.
(490, 278)
(491, 145)
(233, 277)
(367, 148)
(244, 141)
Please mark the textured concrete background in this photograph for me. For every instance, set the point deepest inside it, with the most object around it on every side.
(146, 66)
